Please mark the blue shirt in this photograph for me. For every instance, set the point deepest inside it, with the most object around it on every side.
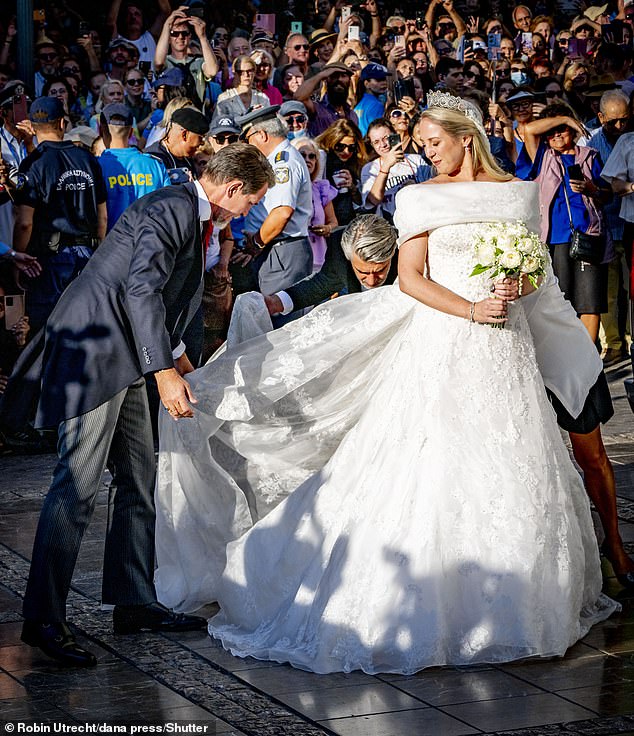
(559, 229)
(369, 108)
(610, 210)
(128, 175)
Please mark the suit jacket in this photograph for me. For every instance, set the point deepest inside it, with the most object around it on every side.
(124, 313)
(335, 276)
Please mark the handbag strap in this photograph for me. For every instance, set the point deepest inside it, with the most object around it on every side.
(563, 181)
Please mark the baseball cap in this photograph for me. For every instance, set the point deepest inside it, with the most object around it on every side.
(121, 42)
(46, 110)
(374, 71)
(224, 124)
(116, 113)
(169, 78)
(292, 106)
(192, 120)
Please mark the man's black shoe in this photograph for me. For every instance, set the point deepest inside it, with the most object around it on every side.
(58, 642)
(153, 617)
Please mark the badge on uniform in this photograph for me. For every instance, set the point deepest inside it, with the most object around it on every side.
(282, 174)
(281, 156)
(21, 181)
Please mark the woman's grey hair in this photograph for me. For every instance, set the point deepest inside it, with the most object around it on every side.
(275, 127)
(371, 237)
(612, 95)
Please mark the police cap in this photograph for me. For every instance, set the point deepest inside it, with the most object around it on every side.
(247, 121)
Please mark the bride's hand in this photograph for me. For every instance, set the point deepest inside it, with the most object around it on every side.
(490, 310)
(507, 288)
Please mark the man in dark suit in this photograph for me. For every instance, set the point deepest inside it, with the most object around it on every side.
(122, 319)
(358, 258)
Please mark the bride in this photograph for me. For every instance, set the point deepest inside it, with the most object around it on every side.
(381, 485)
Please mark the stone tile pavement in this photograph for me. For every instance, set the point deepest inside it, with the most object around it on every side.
(189, 679)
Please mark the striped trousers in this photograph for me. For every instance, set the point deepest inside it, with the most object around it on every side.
(118, 435)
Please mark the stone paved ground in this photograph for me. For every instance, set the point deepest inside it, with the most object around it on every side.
(188, 678)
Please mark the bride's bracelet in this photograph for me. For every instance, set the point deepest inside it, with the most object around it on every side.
(472, 307)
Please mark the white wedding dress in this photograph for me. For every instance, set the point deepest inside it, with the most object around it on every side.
(415, 503)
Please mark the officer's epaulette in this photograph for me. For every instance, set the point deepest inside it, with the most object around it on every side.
(281, 156)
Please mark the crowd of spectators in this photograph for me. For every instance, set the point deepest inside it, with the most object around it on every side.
(153, 91)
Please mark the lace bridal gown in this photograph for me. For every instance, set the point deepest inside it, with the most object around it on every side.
(435, 516)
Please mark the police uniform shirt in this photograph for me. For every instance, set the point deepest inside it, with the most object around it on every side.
(292, 188)
(64, 185)
(128, 175)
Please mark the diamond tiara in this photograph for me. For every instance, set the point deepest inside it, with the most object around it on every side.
(451, 102)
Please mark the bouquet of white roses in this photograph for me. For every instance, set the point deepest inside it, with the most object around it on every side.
(510, 249)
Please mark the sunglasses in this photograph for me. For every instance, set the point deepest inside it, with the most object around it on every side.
(341, 147)
(263, 65)
(472, 75)
(398, 114)
(495, 29)
(553, 93)
(399, 30)
(617, 121)
(70, 70)
(299, 118)
(299, 46)
(245, 71)
(309, 156)
(181, 34)
(47, 57)
(559, 130)
(135, 82)
(223, 138)
(521, 105)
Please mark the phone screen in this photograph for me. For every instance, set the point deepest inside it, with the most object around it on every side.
(394, 139)
(297, 26)
(575, 173)
(353, 33)
(527, 40)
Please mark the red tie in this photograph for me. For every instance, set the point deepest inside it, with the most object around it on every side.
(208, 229)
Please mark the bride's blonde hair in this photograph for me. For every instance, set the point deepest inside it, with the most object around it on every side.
(456, 124)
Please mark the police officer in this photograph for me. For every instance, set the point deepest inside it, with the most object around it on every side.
(128, 173)
(61, 209)
(276, 228)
